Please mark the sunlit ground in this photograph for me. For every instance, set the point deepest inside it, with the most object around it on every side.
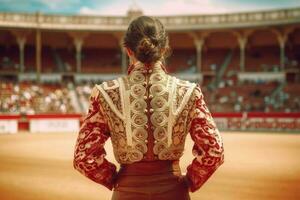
(257, 166)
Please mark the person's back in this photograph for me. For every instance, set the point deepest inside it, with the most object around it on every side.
(148, 114)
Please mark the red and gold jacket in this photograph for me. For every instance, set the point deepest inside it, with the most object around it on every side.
(147, 114)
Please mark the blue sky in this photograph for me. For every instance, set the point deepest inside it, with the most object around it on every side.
(149, 7)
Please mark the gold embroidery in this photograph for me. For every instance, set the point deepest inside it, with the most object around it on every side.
(125, 102)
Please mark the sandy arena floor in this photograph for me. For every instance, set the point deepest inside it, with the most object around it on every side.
(257, 166)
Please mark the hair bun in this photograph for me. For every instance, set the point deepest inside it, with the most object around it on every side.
(148, 40)
(146, 51)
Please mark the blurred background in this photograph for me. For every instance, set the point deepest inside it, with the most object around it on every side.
(244, 54)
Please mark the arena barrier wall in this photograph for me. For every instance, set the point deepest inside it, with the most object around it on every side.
(252, 121)
(53, 123)
(9, 123)
(257, 121)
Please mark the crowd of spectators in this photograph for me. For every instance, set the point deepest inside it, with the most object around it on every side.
(228, 96)
(31, 98)
(252, 96)
(84, 91)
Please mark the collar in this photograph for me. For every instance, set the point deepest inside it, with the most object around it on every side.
(145, 68)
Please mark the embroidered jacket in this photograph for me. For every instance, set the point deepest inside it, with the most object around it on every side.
(147, 114)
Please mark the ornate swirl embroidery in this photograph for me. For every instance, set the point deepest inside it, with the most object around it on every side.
(160, 133)
(140, 134)
(170, 154)
(148, 108)
(142, 147)
(158, 103)
(135, 155)
(158, 119)
(157, 89)
(208, 148)
(137, 77)
(138, 106)
(157, 77)
(137, 91)
(89, 155)
(123, 156)
(159, 146)
(139, 120)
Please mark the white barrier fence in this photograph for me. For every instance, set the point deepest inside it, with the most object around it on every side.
(8, 126)
(53, 125)
(225, 121)
(256, 122)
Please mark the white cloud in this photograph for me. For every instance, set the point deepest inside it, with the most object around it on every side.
(171, 7)
(166, 7)
(58, 4)
(87, 11)
(178, 7)
(52, 4)
(115, 9)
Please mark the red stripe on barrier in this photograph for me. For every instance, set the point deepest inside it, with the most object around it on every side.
(53, 116)
(10, 117)
(273, 115)
(227, 115)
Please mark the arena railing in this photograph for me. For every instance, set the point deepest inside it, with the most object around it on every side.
(120, 23)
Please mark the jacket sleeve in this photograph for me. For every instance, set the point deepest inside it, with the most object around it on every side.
(89, 155)
(208, 146)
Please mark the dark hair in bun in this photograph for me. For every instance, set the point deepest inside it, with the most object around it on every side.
(147, 38)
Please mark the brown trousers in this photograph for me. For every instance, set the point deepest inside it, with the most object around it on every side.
(155, 180)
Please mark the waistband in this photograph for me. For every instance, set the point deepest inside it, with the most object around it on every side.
(151, 167)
